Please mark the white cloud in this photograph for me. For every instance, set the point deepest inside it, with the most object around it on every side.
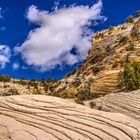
(15, 66)
(4, 55)
(5, 52)
(58, 33)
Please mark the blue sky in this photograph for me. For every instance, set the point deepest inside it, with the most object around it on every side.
(27, 28)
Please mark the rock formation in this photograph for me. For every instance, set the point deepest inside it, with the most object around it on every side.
(39, 117)
(106, 58)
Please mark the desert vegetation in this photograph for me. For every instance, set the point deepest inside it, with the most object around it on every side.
(10, 86)
(5, 78)
(129, 78)
(84, 94)
(130, 47)
(11, 91)
(130, 19)
(138, 13)
(122, 38)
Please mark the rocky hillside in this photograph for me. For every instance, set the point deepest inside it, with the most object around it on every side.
(107, 56)
(39, 117)
(10, 86)
(98, 74)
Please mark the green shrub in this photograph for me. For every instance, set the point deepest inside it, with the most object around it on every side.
(11, 92)
(121, 81)
(135, 32)
(130, 48)
(138, 13)
(5, 78)
(76, 83)
(64, 94)
(14, 92)
(51, 80)
(36, 92)
(99, 35)
(33, 83)
(22, 82)
(130, 77)
(123, 27)
(21, 78)
(46, 86)
(47, 83)
(122, 38)
(130, 19)
(111, 28)
(84, 95)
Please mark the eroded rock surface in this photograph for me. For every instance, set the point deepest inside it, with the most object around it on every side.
(127, 103)
(29, 117)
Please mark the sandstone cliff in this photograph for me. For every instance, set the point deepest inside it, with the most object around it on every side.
(106, 58)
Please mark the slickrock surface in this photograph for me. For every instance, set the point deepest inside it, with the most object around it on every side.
(40, 117)
(127, 103)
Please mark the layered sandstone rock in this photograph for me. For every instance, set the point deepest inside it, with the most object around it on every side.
(49, 118)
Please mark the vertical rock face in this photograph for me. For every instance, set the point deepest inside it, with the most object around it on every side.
(106, 58)
(49, 118)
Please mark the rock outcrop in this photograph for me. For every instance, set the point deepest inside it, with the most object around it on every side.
(39, 117)
(106, 58)
(127, 103)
